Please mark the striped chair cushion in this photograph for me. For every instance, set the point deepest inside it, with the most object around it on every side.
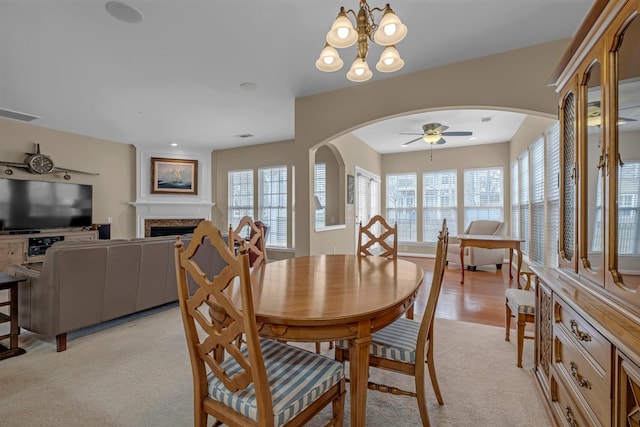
(296, 379)
(521, 301)
(395, 342)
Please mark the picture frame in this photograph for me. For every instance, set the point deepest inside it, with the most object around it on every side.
(351, 189)
(174, 176)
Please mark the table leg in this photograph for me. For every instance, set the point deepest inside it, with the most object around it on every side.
(510, 262)
(519, 253)
(359, 375)
(462, 262)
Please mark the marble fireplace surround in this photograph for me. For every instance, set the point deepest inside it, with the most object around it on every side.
(165, 214)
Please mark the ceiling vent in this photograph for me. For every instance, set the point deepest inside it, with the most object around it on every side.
(15, 115)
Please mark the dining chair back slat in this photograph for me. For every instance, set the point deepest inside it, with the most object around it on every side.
(254, 241)
(377, 237)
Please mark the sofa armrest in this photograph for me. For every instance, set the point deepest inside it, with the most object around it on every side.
(23, 271)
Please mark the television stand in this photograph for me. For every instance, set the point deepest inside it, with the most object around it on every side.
(25, 248)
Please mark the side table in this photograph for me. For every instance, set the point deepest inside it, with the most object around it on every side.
(10, 283)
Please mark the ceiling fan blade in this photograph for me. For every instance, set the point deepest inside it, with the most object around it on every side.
(440, 141)
(413, 140)
(461, 133)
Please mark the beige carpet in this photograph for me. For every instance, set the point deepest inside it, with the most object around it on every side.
(135, 372)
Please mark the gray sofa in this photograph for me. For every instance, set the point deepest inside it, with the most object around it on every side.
(81, 284)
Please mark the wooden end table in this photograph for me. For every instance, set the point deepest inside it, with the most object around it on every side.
(491, 242)
(10, 283)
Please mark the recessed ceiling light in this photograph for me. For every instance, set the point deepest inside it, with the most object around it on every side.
(124, 12)
(173, 144)
(473, 138)
(249, 86)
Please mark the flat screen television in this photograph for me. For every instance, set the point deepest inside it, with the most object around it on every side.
(36, 205)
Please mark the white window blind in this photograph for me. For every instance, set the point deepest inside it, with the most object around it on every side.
(536, 245)
(240, 195)
(552, 190)
(483, 194)
(629, 208)
(320, 192)
(515, 200)
(401, 204)
(440, 200)
(523, 177)
(367, 196)
(273, 204)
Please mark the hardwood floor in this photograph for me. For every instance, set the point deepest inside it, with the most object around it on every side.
(479, 300)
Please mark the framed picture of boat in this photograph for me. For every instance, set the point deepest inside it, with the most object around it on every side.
(174, 176)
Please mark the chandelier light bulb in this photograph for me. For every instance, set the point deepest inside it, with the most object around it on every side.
(390, 30)
(342, 34)
(390, 60)
(329, 60)
(359, 71)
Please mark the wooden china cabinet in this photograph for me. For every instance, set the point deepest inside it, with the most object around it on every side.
(588, 316)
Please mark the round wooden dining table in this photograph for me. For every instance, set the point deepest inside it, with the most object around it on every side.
(333, 297)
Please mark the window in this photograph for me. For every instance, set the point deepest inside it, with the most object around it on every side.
(536, 243)
(628, 210)
(401, 204)
(240, 195)
(367, 196)
(552, 189)
(515, 201)
(273, 204)
(439, 202)
(320, 192)
(523, 194)
(483, 194)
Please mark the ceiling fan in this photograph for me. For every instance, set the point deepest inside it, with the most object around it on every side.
(433, 133)
(594, 114)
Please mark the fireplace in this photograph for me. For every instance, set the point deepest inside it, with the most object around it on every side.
(169, 227)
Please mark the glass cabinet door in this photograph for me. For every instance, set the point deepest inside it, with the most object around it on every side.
(624, 165)
(568, 182)
(592, 179)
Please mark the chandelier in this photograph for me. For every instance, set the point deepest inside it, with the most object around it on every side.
(342, 34)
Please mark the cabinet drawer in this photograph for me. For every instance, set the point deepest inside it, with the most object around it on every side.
(582, 333)
(579, 370)
(566, 411)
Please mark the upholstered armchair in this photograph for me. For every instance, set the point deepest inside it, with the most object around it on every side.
(474, 257)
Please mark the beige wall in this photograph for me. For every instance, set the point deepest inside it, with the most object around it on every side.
(113, 189)
(354, 153)
(515, 81)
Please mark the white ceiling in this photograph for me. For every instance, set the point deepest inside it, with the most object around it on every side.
(178, 75)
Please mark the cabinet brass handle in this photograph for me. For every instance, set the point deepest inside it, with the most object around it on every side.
(568, 414)
(582, 381)
(582, 336)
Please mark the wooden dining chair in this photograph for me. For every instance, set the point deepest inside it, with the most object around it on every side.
(378, 238)
(406, 345)
(262, 382)
(254, 240)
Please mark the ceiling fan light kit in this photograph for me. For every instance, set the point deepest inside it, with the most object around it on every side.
(343, 34)
(432, 133)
